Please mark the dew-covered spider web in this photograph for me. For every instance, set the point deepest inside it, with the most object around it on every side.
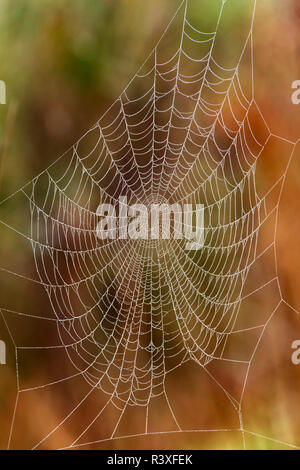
(124, 315)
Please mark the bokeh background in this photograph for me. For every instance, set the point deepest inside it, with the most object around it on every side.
(64, 63)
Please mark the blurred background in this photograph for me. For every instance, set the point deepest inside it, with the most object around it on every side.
(63, 64)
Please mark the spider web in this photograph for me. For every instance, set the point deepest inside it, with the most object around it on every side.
(127, 313)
